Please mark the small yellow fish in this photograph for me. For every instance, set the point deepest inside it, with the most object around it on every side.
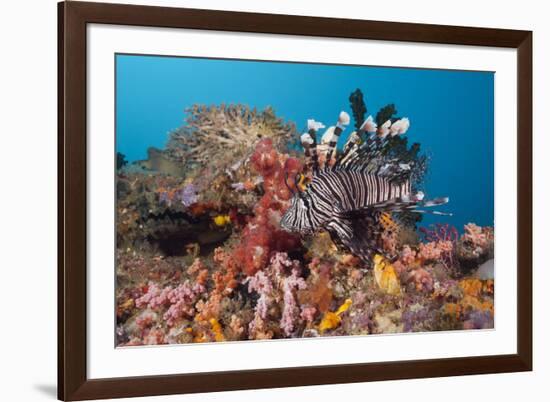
(332, 320)
(222, 220)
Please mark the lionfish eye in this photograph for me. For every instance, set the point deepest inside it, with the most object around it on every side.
(300, 182)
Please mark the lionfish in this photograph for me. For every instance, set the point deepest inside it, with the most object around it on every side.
(354, 193)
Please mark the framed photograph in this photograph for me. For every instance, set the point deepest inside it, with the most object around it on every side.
(253, 200)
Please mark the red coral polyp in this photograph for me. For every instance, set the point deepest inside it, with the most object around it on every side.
(262, 236)
(265, 157)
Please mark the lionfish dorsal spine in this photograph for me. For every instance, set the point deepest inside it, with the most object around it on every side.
(320, 156)
(342, 123)
(309, 143)
(350, 193)
(356, 138)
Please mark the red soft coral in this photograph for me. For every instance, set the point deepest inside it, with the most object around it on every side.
(262, 236)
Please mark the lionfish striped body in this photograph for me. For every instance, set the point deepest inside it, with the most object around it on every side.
(352, 195)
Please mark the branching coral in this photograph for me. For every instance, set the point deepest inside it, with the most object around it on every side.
(440, 232)
(211, 130)
(441, 240)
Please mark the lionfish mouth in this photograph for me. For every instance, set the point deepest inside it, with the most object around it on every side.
(294, 229)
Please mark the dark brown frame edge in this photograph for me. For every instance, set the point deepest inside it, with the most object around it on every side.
(72, 19)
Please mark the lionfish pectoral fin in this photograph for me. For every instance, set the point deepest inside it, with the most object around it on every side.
(422, 211)
(428, 204)
(364, 227)
(338, 209)
(404, 205)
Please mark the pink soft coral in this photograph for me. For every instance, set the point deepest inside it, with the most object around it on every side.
(262, 285)
(154, 337)
(308, 313)
(435, 250)
(421, 280)
(291, 310)
(154, 297)
(145, 319)
(278, 283)
(408, 255)
(475, 235)
(180, 300)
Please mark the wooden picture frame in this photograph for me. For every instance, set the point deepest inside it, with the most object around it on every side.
(73, 383)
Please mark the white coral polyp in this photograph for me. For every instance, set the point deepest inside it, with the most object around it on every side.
(384, 129)
(400, 126)
(306, 139)
(343, 118)
(314, 125)
(369, 125)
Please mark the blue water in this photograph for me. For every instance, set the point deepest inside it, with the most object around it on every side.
(451, 112)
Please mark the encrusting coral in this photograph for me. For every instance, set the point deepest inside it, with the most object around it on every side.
(202, 257)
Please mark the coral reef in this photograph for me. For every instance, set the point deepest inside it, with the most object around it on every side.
(202, 257)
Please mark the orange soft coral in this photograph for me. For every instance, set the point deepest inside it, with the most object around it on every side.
(318, 294)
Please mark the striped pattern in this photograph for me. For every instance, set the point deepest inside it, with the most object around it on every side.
(355, 190)
(353, 195)
(331, 151)
(360, 157)
(310, 152)
(333, 194)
